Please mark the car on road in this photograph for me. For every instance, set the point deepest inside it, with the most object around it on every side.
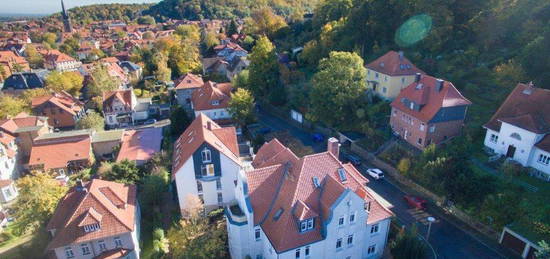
(375, 173)
(317, 137)
(415, 201)
(150, 121)
(354, 160)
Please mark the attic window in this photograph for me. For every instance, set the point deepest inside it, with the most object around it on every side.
(419, 86)
(316, 182)
(402, 67)
(216, 102)
(411, 105)
(382, 64)
(306, 225)
(516, 136)
(342, 174)
(278, 214)
(91, 228)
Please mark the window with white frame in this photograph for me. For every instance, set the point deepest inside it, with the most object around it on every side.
(494, 138)
(422, 126)
(69, 252)
(371, 249)
(218, 184)
(102, 246)
(118, 242)
(350, 240)
(201, 198)
(432, 129)
(338, 243)
(367, 206)
(341, 221)
(85, 249)
(257, 234)
(306, 225)
(206, 156)
(544, 159)
(207, 170)
(91, 227)
(298, 253)
(220, 197)
(307, 251)
(374, 229)
(199, 186)
(352, 218)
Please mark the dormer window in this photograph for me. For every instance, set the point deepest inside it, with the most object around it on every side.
(342, 174)
(411, 105)
(91, 228)
(216, 102)
(206, 156)
(306, 225)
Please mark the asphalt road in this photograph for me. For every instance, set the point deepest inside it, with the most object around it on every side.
(447, 240)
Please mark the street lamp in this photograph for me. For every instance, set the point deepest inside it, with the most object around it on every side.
(430, 221)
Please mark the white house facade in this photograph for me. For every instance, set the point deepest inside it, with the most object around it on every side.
(206, 164)
(333, 215)
(519, 130)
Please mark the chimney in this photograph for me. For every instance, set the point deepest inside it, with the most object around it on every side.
(401, 55)
(333, 147)
(417, 77)
(439, 85)
(209, 125)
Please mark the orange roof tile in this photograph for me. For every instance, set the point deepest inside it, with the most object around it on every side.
(189, 81)
(210, 93)
(91, 202)
(57, 153)
(222, 139)
(393, 64)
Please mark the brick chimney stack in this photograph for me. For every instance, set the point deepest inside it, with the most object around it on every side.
(333, 146)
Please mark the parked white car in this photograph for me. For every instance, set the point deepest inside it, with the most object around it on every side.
(375, 173)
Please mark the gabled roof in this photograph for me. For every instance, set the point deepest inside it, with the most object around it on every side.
(210, 93)
(23, 122)
(394, 64)
(204, 130)
(140, 145)
(56, 150)
(62, 100)
(526, 107)
(124, 96)
(425, 94)
(282, 192)
(23, 81)
(82, 206)
(189, 81)
(230, 45)
(56, 56)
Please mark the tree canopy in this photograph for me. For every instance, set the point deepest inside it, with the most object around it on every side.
(337, 86)
(38, 196)
(264, 71)
(92, 120)
(241, 106)
(70, 82)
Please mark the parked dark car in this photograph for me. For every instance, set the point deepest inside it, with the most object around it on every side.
(317, 137)
(415, 202)
(354, 160)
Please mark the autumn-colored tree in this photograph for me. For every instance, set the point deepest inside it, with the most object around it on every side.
(101, 81)
(163, 72)
(34, 58)
(70, 82)
(241, 106)
(38, 196)
(264, 71)
(11, 106)
(264, 22)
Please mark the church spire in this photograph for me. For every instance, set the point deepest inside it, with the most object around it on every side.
(66, 19)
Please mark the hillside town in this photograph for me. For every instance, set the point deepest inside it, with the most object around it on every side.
(153, 135)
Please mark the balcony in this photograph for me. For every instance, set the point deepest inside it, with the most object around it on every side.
(235, 215)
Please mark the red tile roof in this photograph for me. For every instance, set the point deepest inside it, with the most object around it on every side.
(210, 92)
(62, 100)
(20, 121)
(393, 64)
(526, 107)
(222, 139)
(79, 205)
(284, 182)
(5, 183)
(425, 94)
(189, 81)
(124, 96)
(56, 153)
(140, 144)
(56, 56)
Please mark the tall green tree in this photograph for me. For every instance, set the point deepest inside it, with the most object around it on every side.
(241, 106)
(163, 72)
(179, 121)
(11, 106)
(92, 120)
(101, 81)
(337, 86)
(264, 22)
(70, 82)
(38, 196)
(264, 71)
(35, 59)
(407, 245)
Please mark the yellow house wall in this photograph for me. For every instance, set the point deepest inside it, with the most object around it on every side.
(393, 84)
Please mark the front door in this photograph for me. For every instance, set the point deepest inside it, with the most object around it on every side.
(511, 151)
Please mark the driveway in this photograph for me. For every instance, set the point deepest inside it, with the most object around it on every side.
(447, 240)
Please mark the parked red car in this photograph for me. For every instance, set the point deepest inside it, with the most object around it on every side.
(415, 201)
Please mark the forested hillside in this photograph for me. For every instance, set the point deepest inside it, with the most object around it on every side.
(226, 9)
(102, 12)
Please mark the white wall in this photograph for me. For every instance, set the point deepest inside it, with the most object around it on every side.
(127, 242)
(538, 165)
(186, 183)
(215, 114)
